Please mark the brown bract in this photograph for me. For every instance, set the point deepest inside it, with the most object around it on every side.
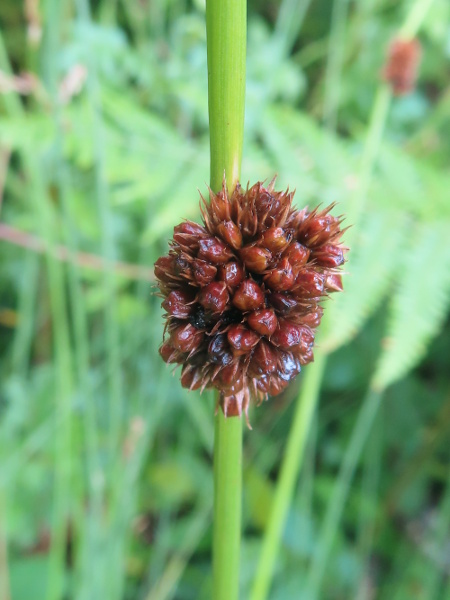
(242, 292)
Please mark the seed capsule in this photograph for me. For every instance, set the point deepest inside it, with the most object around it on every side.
(283, 303)
(329, 255)
(287, 335)
(298, 255)
(248, 296)
(333, 283)
(186, 338)
(214, 250)
(219, 350)
(232, 274)
(187, 234)
(168, 353)
(312, 319)
(263, 321)
(255, 259)
(230, 232)
(203, 271)
(281, 278)
(164, 268)
(191, 379)
(275, 239)
(177, 304)
(264, 359)
(214, 297)
(310, 282)
(317, 229)
(242, 339)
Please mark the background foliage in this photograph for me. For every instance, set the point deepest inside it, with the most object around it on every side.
(105, 483)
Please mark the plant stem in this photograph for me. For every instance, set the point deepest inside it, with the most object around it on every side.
(293, 458)
(226, 37)
(227, 506)
(226, 24)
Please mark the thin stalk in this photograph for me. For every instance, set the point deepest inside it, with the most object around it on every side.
(226, 25)
(336, 504)
(227, 506)
(292, 460)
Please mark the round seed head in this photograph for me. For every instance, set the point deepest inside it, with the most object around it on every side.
(242, 292)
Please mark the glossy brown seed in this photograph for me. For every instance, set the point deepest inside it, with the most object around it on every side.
(228, 376)
(297, 254)
(214, 297)
(287, 335)
(186, 338)
(164, 268)
(289, 365)
(283, 303)
(248, 296)
(203, 271)
(191, 378)
(317, 229)
(232, 274)
(275, 239)
(313, 318)
(187, 234)
(168, 353)
(189, 228)
(263, 321)
(177, 304)
(281, 278)
(264, 359)
(271, 385)
(219, 207)
(241, 339)
(333, 283)
(214, 250)
(310, 283)
(329, 255)
(255, 259)
(219, 350)
(231, 233)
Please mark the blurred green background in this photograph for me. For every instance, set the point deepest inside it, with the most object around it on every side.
(105, 461)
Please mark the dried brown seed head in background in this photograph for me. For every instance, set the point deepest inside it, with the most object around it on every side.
(242, 292)
(402, 66)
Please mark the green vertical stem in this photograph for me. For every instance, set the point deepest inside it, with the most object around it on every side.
(227, 506)
(293, 458)
(226, 25)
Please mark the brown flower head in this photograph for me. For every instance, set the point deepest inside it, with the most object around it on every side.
(402, 65)
(242, 292)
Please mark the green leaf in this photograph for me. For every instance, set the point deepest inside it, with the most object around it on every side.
(371, 263)
(419, 305)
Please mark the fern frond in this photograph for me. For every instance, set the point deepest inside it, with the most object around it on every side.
(371, 263)
(419, 305)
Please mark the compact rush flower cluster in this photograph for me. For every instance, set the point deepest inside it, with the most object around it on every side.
(242, 292)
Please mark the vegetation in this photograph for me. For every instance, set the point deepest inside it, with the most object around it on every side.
(106, 477)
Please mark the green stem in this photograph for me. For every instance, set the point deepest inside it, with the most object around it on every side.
(226, 24)
(226, 37)
(227, 506)
(290, 467)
